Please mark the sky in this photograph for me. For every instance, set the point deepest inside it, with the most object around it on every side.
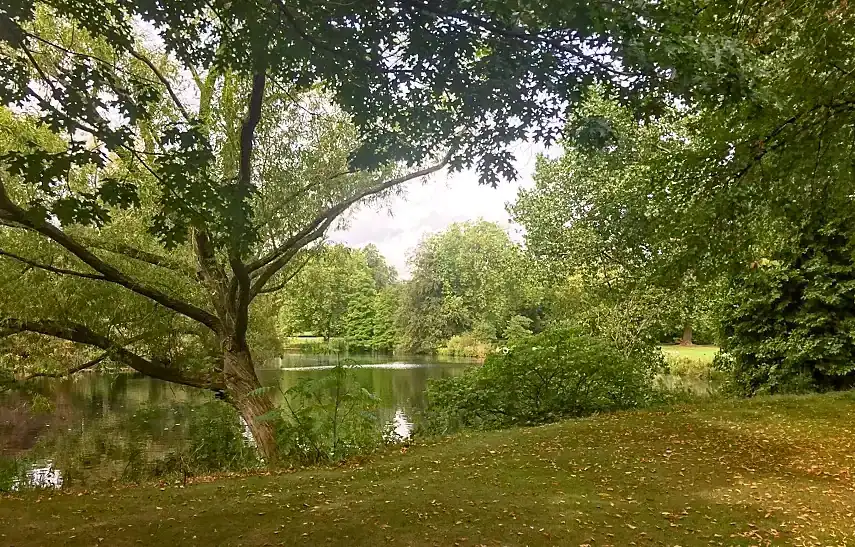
(429, 207)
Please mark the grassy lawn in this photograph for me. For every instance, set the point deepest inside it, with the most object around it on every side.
(769, 471)
(701, 354)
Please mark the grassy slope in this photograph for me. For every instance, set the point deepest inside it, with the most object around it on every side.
(754, 472)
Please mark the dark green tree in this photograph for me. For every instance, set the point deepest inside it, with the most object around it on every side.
(790, 319)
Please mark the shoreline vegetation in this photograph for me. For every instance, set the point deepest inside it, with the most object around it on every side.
(762, 471)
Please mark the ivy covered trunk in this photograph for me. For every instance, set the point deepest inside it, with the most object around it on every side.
(242, 386)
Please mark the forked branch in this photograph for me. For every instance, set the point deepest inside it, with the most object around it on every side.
(266, 267)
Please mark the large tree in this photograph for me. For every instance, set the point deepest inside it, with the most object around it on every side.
(168, 166)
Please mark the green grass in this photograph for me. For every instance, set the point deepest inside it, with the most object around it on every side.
(768, 471)
(701, 354)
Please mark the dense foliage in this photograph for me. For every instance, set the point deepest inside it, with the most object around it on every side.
(790, 322)
(469, 280)
(556, 374)
(328, 419)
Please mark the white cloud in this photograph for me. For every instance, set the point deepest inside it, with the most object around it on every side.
(397, 227)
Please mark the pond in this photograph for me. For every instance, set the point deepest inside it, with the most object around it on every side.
(93, 425)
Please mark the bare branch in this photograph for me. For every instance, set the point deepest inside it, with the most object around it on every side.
(147, 62)
(46, 267)
(288, 278)
(276, 260)
(81, 334)
(72, 370)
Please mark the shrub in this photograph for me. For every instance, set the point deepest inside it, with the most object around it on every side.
(465, 345)
(328, 419)
(555, 374)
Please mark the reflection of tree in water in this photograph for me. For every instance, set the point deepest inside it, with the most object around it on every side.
(398, 388)
(20, 426)
(98, 424)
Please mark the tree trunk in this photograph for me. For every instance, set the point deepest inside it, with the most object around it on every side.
(242, 384)
(686, 340)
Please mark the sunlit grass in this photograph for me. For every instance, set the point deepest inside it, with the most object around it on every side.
(702, 354)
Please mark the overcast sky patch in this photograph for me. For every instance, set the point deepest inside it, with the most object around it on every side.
(426, 208)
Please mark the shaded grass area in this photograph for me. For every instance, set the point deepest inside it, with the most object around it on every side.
(701, 354)
(759, 472)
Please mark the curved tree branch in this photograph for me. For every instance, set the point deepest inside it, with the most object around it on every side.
(147, 62)
(111, 273)
(48, 268)
(138, 254)
(81, 334)
(73, 370)
(299, 239)
(289, 277)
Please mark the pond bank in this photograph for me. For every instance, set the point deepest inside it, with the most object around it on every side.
(768, 470)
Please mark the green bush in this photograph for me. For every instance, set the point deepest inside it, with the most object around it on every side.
(555, 374)
(328, 419)
(465, 345)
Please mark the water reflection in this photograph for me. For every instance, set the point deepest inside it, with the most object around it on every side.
(100, 424)
(40, 476)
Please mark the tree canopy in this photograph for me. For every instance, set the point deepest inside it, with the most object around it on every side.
(166, 168)
(469, 278)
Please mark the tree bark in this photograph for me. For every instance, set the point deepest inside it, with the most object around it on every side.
(242, 386)
(686, 340)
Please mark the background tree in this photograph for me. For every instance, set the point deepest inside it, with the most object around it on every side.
(319, 296)
(469, 278)
(597, 223)
(343, 292)
(713, 186)
(789, 318)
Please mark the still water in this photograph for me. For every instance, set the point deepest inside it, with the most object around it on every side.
(89, 421)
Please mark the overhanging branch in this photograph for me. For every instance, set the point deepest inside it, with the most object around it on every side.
(49, 268)
(326, 217)
(81, 334)
(73, 370)
(109, 272)
(281, 285)
(138, 254)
